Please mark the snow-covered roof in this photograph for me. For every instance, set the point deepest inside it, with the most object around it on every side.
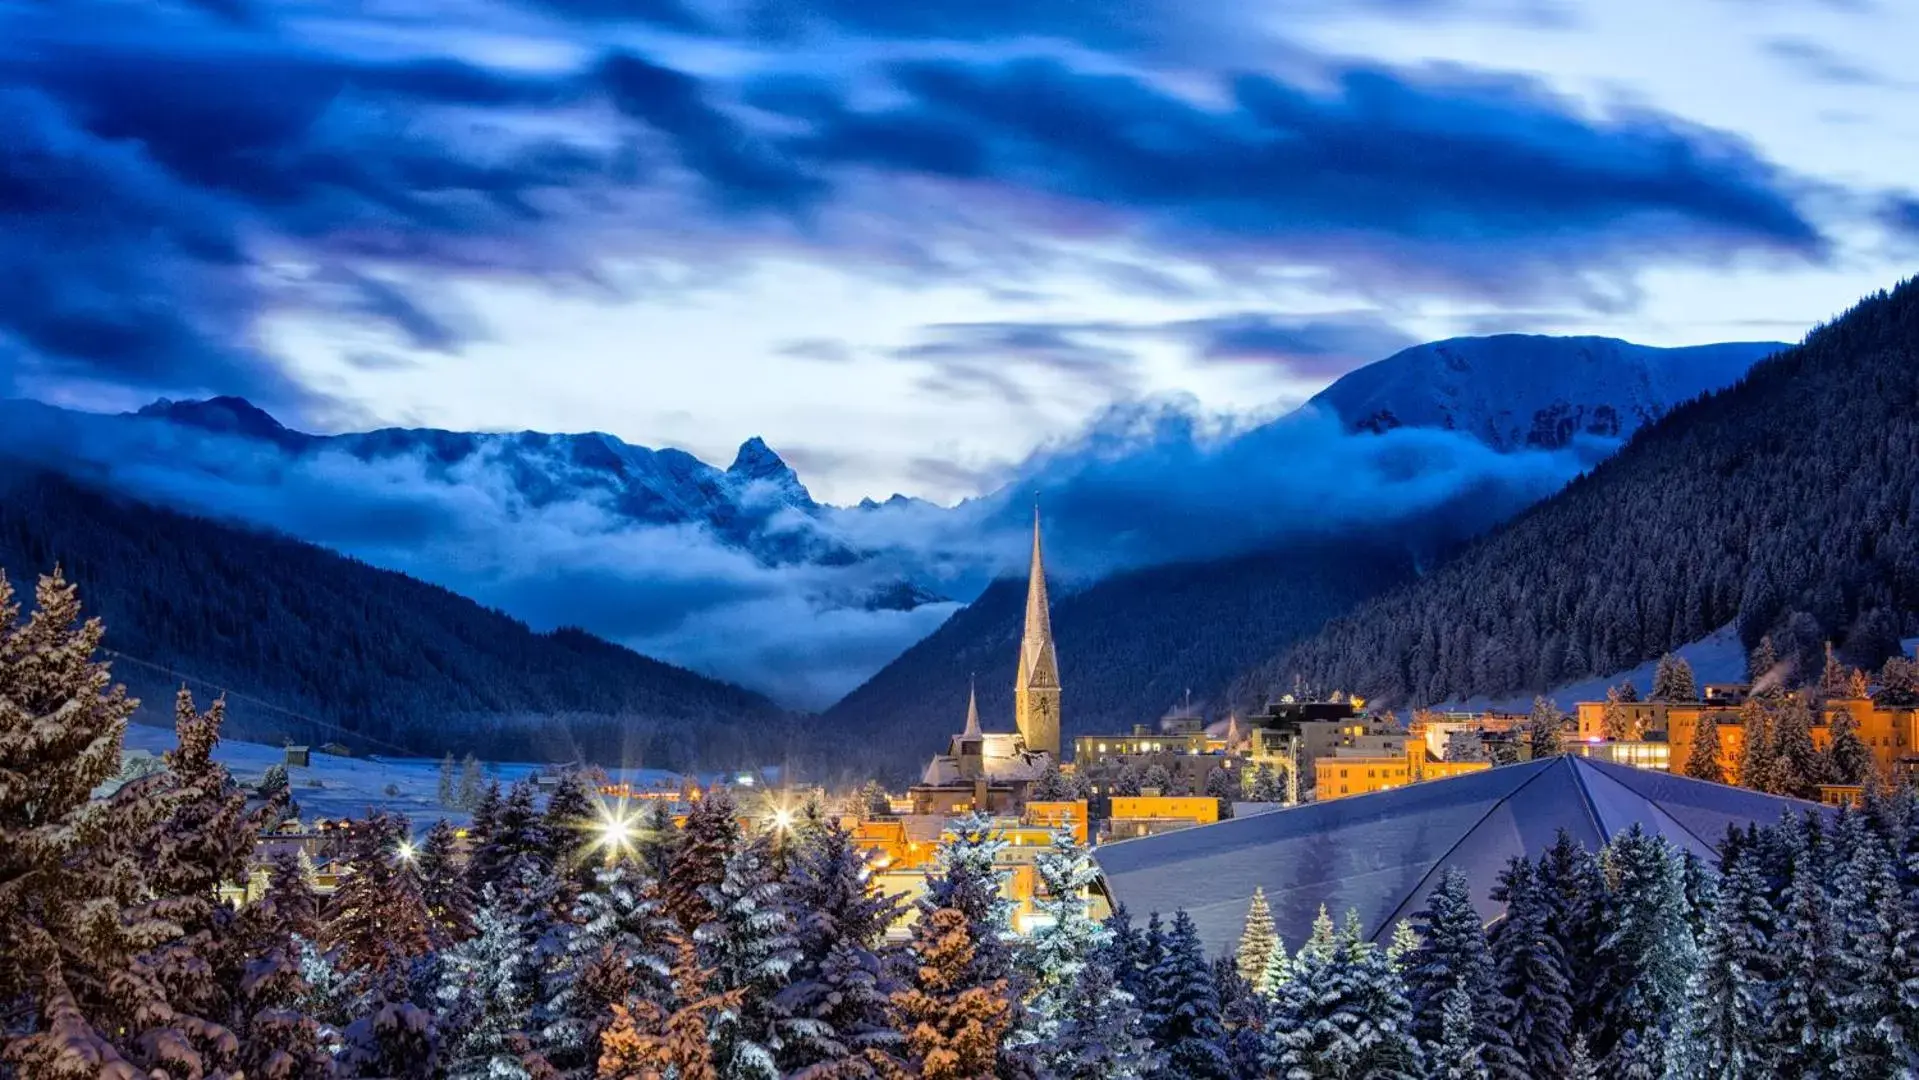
(1380, 854)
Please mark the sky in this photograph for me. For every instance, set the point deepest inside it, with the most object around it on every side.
(911, 245)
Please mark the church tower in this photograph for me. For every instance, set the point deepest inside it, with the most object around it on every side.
(1036, 693)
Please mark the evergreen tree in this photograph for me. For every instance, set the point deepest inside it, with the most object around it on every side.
(1258, 940)
(1876, 1037)
(1672, 680)
(1099, 1035)
(950, 1022)
(486, 812)
(1756, 746)
(1245, 1018)
(620, 950)
(1062, 1023)
(1453, 952)
(472, 785)
(838, 979)
(1834, 680)
(1341, 1010)
(649, 1041)
(1572, 889)
(1126, 953)
(443, 884)
(1762, 668)
(64, 880)
(1386, 1047)
(449, 792)
(1615, 723)
(488, 986)
(1898, 683)
(1459, 1053)
(1796, 765)
(1647, 956)
(377, 921)
(874, 802)
(1702, 759)
(1223, 784)
(1531, 972)
(967, 879)
(513, 848)
(1401, 946)
(658, 843)
(1544, 728)
(1856, 686)
(1805, 1014)
(748, 945)
(1583, 1066)
(709, 840)
(1266, 785)
(1847, 759)
(394, 1040)
(1052, 786)
(1184, 1007)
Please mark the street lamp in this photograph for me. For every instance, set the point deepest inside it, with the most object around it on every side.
(615, 830)
(406, 851)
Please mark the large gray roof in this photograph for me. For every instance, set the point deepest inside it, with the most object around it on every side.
(1380, 854)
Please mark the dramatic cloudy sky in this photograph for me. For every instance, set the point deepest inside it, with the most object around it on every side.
(909, 243)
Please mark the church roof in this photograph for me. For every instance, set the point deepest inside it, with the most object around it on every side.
(972, 714)
(1038, 661)
(1381, 854)
(1005, 760)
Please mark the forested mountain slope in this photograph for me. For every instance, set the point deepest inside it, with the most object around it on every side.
(1784, 503)
(392, 661)
(1129, 645)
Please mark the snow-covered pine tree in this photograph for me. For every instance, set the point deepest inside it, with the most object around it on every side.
(1615, 722)
(1453, 952)
(620, 949)
(748, 946)
(1126, 952)
(650, 1041)
(951, 1023)
(966, 878)
(1796, 767)
(1583, 1066)
(278, 1037)
(1646, 957)
(1847, 758)
(1876, 1037)
(1834, 679)
(705, 845)
(1387, 1048)
(1702, 758)
(1806, 1009)
(1857, 688)
(486, 812)
(1672, 680)
(839, 920)
(443, 884)
(1313, 1023)
(394, 1040)
(1572, 888)
(1052, 786)
(1185, 1007)
(1223, 784)
(472, 787)
(1756, 747)
(1898, 683)
(1544, 726)
(566, 823)
(376, 921)
(1401, 946)
(1244, 1017)
(488, 986)
(1267, 787)
(1531, 970)
(449, 790)
(1762, 668)
(1055, 961)
(1100, 1026)
(1258, 940)
(659, 839)
(65, 876)
(1459, 1054)
(513, 848)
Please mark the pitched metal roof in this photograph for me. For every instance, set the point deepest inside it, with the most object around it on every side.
(1381, 854)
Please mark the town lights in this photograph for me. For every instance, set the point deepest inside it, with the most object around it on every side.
(614, 830)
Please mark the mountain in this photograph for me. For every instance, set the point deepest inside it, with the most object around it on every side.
(1521, 391)
(1784, 505)
(314, 646)
(747, 505)
(1129, 646)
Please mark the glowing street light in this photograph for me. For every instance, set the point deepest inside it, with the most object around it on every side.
(615, 829)
(406, 851)
(782, 819)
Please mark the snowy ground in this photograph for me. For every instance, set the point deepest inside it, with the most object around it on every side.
(336, 787)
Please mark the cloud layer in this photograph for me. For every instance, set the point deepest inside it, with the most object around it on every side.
(175, 178)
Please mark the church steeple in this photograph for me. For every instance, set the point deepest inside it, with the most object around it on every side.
(1036, 693)
(972, 713)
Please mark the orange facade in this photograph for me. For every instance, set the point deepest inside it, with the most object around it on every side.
(1890, 733)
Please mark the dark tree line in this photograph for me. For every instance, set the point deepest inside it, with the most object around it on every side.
(374, 652)
(1784, 504)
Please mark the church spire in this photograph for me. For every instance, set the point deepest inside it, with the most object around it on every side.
(1036, 693)
(972, 711)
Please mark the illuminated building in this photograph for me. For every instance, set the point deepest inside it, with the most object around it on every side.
(1891, 733)
(990, 772)
(1147, 815)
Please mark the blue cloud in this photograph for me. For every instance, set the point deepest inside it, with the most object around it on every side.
(1315, 346)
